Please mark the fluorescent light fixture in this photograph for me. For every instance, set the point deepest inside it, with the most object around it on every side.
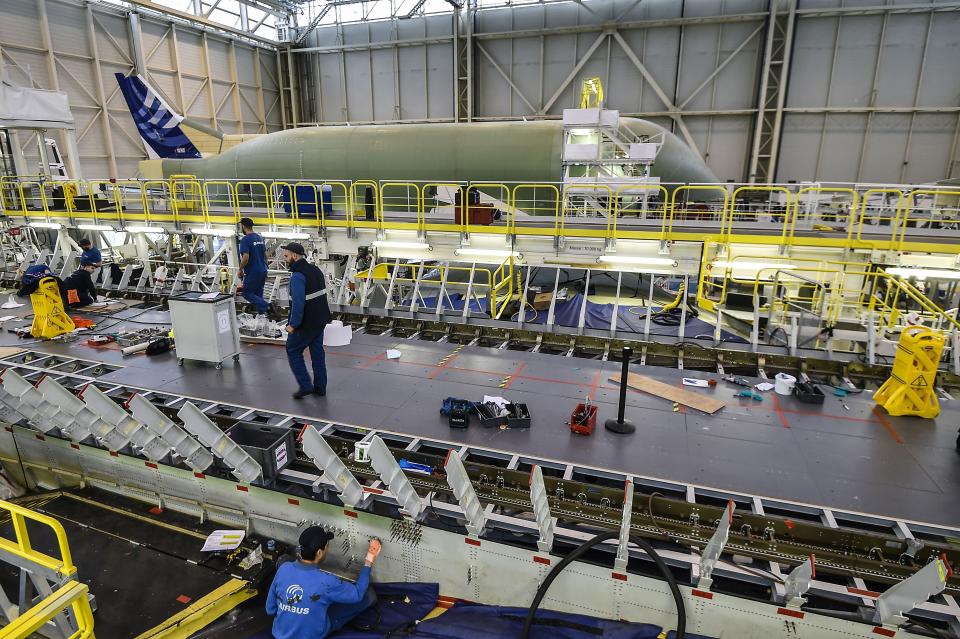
(285, 235)
(144, 229)
(94, 227)
(924, 273)
(423, 246)
(751, 266)
(486, 252)
(214, 232)
(46, 225)
(648, 261)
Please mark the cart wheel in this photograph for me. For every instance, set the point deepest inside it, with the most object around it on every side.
(219, 365)
(236, 358)
(180, 362)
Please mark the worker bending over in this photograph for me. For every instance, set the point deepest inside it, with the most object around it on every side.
(79, 286)
(90, 253)
(310, 603)
(309, 315)
(253, 266)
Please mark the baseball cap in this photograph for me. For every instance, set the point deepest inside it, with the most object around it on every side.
(85, 263)
(294, 247)
(312, 540)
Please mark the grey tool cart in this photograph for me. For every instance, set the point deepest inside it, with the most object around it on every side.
(205, 327)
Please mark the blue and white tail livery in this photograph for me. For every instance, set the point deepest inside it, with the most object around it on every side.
(158, 124)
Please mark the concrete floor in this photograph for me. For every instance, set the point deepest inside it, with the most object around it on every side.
(858, 459)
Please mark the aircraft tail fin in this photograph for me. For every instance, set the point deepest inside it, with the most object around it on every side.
(157, 123)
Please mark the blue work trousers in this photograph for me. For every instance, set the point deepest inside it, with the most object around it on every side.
(253, 290)
(297, 342)
(342, 614)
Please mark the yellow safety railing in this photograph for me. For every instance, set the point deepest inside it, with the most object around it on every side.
(637, 193)
(878, 219)
(593, 201)
(851, 213)
(340, 202)
(285, 202)
(71, 595)
(253, 197)
(890, 216)
(836, 291)
(408, 201)
(302, 206)
(537, 204)
(503, 278)
(907, 219)
(358, 203)
(186, 198)
(703, 212)
(735, 214)
(466, 217)
(40, 199)
(457, 193)
(20, 544)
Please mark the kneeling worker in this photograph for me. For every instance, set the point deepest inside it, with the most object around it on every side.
(309, 316)
(310, 603)
(79, 286)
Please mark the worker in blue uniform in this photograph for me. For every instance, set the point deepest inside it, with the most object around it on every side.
(253, 266)
(309, 316)
(308, 602)
(80, 288)
(90, 253)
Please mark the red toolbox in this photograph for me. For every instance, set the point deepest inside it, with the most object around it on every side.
(483, 214)
(583, 419)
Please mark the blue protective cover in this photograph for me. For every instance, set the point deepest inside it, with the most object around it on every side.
(474, 621)
(398, 605)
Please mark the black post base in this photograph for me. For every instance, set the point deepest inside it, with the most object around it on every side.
(624, 428)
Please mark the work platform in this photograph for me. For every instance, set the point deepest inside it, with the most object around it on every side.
(846, 454)
(142, 563)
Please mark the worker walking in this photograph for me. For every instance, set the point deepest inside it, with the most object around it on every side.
(253, 266)
(309, 315)
(308, 602)
(90, 253)
(79, 286)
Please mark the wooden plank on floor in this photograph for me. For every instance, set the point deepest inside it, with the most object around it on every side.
(672, 393)
(9, 351)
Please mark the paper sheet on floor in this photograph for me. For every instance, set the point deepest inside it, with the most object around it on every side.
(763, 386)
(699, 383)
(393, 354)
(223, 540)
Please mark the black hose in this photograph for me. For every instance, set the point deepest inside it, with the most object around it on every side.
(581, 550)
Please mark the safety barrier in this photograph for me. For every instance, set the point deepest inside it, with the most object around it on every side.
(787, 290)
(858, 217)
(71, 595)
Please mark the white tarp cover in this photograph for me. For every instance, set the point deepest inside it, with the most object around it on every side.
(21, 107)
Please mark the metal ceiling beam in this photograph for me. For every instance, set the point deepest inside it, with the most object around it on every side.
(211, 24)
(667, 102)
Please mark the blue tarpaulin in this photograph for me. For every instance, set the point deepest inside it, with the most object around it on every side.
(401, 606)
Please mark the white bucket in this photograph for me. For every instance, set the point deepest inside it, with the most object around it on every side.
(783, 384)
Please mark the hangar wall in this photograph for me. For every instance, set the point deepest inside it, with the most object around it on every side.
(871, 92)
(76, 47)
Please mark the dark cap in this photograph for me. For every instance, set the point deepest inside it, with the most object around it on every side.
(85, 241)
(247, 222)
(294, 247)
(313, 540)
(86, 263)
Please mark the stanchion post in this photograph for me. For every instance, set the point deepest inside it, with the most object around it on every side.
(620, 424)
